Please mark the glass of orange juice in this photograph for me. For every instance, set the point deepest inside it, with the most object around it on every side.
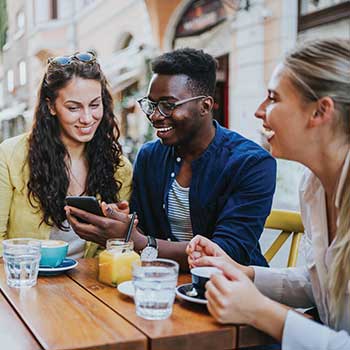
(115, 263)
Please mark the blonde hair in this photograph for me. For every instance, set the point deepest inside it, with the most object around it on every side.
(317, 69)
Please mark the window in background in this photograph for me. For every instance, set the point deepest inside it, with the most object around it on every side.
(22, 73)
(20, 21)
(10, 81)
(309, 6)
(54, 12)
(315, 13)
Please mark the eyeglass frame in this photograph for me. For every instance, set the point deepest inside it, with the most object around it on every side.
(55, 60)
(174, 105)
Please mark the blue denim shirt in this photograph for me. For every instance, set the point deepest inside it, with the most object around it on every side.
(230, 196)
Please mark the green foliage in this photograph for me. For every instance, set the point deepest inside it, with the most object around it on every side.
(3, 23)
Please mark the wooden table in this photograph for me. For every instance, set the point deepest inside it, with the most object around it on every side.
(75, 311)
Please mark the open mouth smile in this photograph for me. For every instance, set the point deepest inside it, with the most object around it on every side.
(268, 133)
(85, 129)
(164, 129)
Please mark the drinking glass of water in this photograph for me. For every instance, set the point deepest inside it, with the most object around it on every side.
(21, 261)
(155, 283)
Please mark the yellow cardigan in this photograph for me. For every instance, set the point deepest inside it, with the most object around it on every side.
(17, 217)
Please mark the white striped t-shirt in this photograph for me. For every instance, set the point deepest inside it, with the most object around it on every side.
(179, 212)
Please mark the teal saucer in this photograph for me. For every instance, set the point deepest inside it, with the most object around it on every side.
(66, 265)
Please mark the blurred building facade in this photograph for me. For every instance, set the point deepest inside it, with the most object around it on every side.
(248, 37)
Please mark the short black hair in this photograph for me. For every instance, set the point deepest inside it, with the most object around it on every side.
(199, 66)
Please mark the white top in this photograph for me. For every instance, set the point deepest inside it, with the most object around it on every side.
(179, 212)
(307, 286)
(76, 245)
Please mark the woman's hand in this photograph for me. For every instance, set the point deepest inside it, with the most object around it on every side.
(200, 247)
(201, 251)
(233, 298)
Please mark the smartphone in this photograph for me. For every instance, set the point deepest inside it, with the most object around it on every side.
(87, 203)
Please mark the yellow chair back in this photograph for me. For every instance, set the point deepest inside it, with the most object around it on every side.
(290, 223)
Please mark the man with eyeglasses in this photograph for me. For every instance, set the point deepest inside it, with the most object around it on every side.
(197, 177)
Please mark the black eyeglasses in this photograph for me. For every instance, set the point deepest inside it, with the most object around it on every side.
(165, 108)
(86, 57)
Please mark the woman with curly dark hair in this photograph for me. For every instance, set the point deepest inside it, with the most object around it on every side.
(72, 149)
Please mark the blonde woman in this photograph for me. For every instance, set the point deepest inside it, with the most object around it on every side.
(307, 118)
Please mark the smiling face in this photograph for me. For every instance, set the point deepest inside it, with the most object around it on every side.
(79, 110)
(185, 124)
(285, 117)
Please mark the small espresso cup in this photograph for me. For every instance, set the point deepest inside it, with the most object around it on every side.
(53, 252)
(200, 276)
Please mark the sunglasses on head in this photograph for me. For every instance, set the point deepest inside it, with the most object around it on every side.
(86, 57)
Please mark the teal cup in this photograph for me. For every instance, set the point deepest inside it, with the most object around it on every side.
(53, 253)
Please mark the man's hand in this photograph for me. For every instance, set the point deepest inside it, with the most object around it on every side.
(98, 228)
(112, 209)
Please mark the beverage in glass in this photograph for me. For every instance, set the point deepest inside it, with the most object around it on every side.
(115, 263)
(21, 261)
(155, 283)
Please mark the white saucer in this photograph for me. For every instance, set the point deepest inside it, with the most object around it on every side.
(126, 288)
(181, 293)
(67, 264)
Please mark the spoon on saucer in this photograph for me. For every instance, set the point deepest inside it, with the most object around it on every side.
(192, 293)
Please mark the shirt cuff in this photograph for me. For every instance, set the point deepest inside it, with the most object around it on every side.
(269, 281)
(304, 334)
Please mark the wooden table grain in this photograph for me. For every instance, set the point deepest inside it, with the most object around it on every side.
(189, 327)
(62, 315)
(75, 311)
(13, 333)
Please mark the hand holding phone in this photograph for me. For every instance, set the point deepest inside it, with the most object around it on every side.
(87, 203)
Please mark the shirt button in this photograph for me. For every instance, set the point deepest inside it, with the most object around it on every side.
(163, 206)
(172, 174)
(178, 159)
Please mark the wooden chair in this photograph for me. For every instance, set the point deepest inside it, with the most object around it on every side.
(290, 223)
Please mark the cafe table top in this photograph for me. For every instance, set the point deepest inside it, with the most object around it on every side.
(74, 311)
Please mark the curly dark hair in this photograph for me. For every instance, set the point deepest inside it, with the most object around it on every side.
(199, 67)
(49, 173)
